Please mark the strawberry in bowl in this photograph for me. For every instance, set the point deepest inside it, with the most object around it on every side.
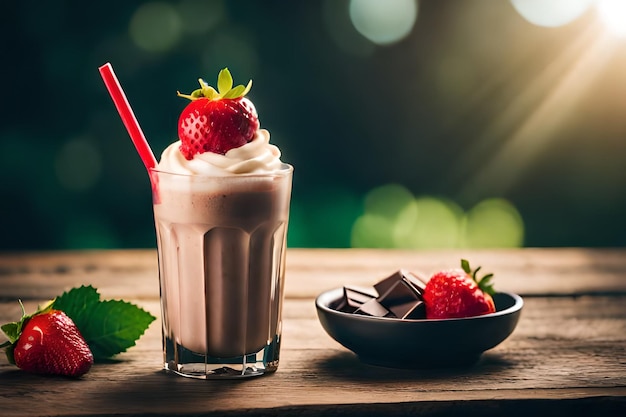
(457, 293)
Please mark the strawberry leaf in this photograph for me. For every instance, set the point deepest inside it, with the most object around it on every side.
(224, 86)
(466, 266)
(486, 285)
(224, 81)
(13, 330)
(238, 91)
(247, 89)
(234, 92)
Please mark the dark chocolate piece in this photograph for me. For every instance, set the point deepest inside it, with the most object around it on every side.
(382, 287)
(400, 293)
(400, 299)
(353, 299)
(386, 284)
(417, 282)
(373, 308)
(399, 296)
(357, 296)
(418, 311)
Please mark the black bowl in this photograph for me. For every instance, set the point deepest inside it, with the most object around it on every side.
(420, 343)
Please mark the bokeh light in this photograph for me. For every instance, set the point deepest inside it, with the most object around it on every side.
(386, 208)
(341, 30)
(613, 15)
(474, 103)
(78, 164)
(551, 13)
(324, 217)
(372, 231)
(493, 223)
(388, 201)
(384, 22)
(233, 50)
(394, 218)
(155, 27)
(200, 16)
(435, 225)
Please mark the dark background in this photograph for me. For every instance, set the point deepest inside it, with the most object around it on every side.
(475, 103)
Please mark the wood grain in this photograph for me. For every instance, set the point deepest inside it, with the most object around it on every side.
(567, 271)
(568, 353)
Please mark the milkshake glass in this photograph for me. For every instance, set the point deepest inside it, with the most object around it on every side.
(221, 243)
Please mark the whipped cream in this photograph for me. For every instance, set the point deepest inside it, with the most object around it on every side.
(255, 157)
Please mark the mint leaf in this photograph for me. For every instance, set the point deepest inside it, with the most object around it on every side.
(109, 327)
(77, 304)
(114, 327)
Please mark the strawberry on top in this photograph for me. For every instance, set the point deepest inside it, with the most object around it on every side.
(217, 120)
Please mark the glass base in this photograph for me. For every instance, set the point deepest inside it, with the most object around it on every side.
(184, 362)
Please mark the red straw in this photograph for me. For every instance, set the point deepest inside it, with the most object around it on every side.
(127, 115)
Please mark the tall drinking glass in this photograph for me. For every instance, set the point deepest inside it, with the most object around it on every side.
(221, 245)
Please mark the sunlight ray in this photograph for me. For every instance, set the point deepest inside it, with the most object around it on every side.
(527, 126)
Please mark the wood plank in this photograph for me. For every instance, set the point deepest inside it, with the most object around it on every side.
(124, 274)
(567, 354)
(564, 348)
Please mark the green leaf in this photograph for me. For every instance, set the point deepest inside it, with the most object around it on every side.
(210, 93)
(466, 267)
(234, 92)
(224, 81)
(239, 91)
(77, 304)
(247, 89)
(197, 93)
(10, 356)
(12, 331)
(114, 327)
(486, 285)
(109, 327)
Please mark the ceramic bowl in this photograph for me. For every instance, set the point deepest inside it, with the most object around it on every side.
(420, 343)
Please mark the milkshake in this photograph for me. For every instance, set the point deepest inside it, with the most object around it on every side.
(221, 208)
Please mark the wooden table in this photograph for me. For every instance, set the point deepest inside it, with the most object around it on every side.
(567, 355)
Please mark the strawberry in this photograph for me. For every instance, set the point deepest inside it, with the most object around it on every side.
(48, 342)
(457, 293)
(217, 121)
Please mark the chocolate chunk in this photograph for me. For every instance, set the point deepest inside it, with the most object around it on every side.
(410, 278)
(418, 283)
(386, 284)
(417, 312)
(400, 299)
(399, 296)
(373, 308)
(401, 293)
(356, 296)
(353, 299)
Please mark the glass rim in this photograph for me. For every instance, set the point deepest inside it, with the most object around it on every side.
(285, 169)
